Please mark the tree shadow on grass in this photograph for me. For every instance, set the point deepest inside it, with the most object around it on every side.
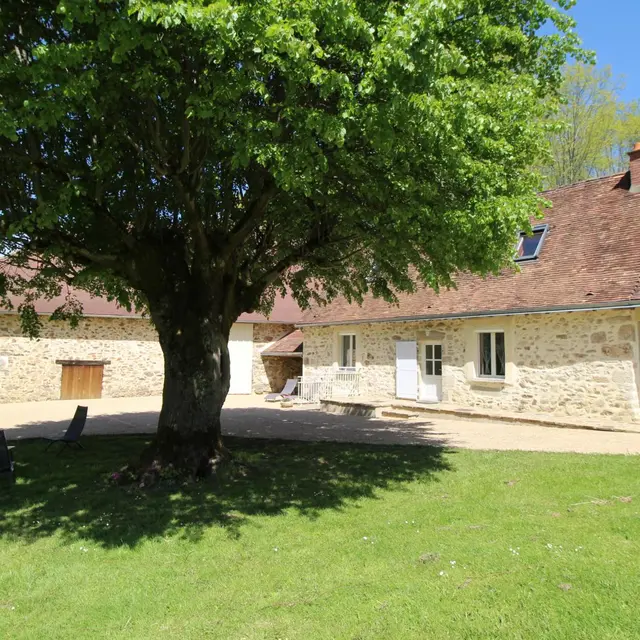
(70, 495)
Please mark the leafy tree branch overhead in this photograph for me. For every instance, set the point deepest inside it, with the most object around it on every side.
(198, 157)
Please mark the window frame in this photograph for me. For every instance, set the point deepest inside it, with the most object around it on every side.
(353, 348)
(494, 361)
(544, 228)
(433, 359)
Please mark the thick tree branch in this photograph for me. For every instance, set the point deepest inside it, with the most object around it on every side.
(249, 221)
(154, 129)
(185, 137)
(160, 169)
(195, 223)
(319, 238)
(265, 239)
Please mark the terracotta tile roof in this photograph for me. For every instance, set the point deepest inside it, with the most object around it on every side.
(290, 344)
(92, 306)
(285, 310)
(590, 257)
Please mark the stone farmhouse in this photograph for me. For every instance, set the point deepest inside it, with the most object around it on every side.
(114, 353)
(558, 336)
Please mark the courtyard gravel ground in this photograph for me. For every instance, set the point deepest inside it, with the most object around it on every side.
(251, 416)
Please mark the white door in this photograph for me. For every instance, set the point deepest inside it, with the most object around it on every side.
(407, 369)
(431, 373)
(241, 356)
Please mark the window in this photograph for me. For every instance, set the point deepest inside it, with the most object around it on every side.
(433, 359)
(529, 245)
(348, 351)
(492, 356)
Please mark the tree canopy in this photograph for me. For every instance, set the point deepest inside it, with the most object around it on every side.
(594, 128)
(199, 157)
(250, 137)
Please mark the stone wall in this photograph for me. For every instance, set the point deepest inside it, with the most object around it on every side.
(271, 372)
(279, 369)
(576, 364)
(29, 372)
(28, 369)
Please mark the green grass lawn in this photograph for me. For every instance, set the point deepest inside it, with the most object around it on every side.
(323, 540)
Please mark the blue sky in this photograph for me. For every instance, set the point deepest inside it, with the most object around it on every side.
(611, 28)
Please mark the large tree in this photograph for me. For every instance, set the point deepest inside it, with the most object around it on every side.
(198, 158)
(594, 128)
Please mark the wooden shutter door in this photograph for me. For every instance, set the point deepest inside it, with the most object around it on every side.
(81, 381)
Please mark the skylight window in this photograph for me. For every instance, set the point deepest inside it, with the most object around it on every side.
(529, 245)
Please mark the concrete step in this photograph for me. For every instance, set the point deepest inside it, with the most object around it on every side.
(396, 413)
(518, 418)
(348, 408)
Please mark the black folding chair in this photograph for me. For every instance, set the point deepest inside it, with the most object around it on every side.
(6, 459)
(74, 431)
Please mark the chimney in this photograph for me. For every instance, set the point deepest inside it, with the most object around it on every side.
(634, 168)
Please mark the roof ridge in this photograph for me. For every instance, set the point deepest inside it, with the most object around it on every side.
(585, 181)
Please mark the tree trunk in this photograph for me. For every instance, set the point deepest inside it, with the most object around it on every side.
(196, 383)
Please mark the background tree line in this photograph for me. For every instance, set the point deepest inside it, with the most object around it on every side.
(593, 129)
